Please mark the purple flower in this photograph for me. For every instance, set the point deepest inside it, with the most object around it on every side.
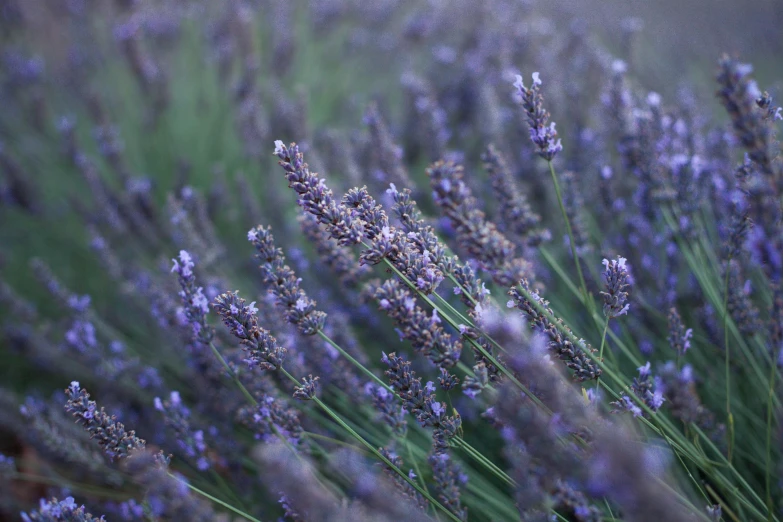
(542, 133)
(424, 332)
(616, 277)
(281, 281)
(194, 304)
(240, 318)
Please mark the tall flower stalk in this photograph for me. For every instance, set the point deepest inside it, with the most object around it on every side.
(548, 145)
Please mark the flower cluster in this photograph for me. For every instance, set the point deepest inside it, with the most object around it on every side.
(391, 243)
(516, 214)
(420, 401)
(739, 93)
(195, 305)
(679, 338)
(647, 389)
(336, 257)
(177, 417)
(479, 237)
(281, 280)
(240, 318)
(422, 330)
(418, 232)
(53, 510)
(406, 489)
(271, 418)
(537, 311)
(390, 410)
(448, 479)
(110, 434)
(542, 133)
(616, 277)
(315, 197)
(306, 391)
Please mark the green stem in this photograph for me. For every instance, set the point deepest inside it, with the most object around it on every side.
(728, 358)
(87, 489)
(768, 474)
(214, 499)
(480, 348)
(601, 352)
(373, 450)
(571, 241)
(356, 363)
(481, 459)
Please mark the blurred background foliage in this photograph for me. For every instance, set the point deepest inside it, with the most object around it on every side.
(169, 79)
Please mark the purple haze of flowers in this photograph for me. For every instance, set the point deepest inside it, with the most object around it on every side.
(420, 401)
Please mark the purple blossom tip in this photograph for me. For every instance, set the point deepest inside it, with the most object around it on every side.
(536, 78)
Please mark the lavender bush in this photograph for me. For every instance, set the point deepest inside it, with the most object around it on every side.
(381, 261)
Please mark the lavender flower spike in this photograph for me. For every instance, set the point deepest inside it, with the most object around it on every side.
(306, 391)
(420, 401)
(263, 350)
(316, 198)
(679, 338)
(51, 510)
(194, 304)
(615, 297)
(424, 332)
(281, 280)
(110, 434)
(542, 132)
(558, 334)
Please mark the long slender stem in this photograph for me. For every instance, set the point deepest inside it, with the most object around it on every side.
(356, 363)
(464, 445)
(87, 489)
(571, 241)
(373, 450)
(214, 499)
(233, 375)
(484, 461)
(728, 357)
(601, 351)
(768, 471)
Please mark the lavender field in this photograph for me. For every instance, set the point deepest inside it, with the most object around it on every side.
(391, 260)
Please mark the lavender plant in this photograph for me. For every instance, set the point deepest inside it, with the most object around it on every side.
(370, 370)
